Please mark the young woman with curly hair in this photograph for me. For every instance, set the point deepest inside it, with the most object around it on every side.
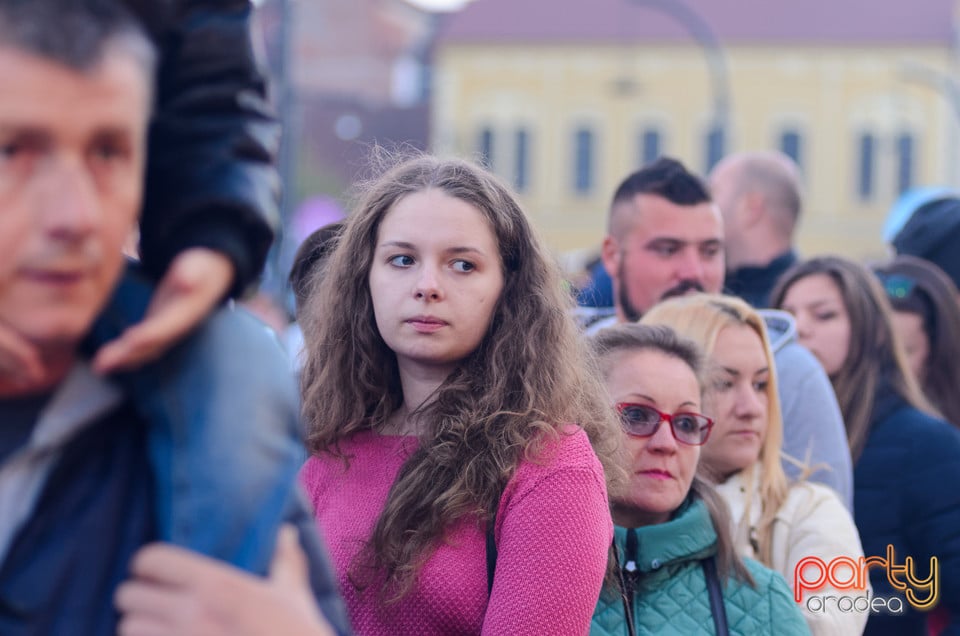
(453, 410)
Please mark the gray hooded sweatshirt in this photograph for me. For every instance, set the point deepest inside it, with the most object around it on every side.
(813, 430)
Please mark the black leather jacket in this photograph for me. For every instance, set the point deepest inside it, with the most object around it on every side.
(211, 179)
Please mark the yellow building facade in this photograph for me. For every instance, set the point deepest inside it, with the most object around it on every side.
(565, 122)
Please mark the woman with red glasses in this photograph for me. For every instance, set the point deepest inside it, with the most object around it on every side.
(677, 570)
(796, 529)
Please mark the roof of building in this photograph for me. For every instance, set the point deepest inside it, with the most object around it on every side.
(733, 21)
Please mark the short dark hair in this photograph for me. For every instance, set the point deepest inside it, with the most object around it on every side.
(666, 178)
(310, 259)
(74, 33)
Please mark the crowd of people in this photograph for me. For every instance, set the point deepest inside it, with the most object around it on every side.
(744, 442)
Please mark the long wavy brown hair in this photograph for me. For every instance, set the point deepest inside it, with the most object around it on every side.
(530, 376)
(875, 355)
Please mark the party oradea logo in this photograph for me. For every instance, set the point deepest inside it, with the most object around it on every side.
(847, 574)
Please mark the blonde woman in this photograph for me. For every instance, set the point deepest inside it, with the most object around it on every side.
(780, 524)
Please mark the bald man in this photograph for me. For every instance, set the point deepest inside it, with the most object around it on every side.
(759, 195)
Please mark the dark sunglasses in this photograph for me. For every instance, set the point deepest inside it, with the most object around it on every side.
(897, 286)
(642, 420)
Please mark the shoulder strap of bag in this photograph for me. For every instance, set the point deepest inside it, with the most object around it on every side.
(715, 592)
(491, 552)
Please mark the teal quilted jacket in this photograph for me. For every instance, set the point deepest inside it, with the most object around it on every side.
(672, 596)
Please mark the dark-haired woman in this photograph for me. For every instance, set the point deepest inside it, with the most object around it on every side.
(905, 457)
(926, 315)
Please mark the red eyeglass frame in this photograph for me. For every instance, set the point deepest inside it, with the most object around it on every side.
(668, 418)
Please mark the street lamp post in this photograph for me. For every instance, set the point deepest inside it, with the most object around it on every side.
(700, 30)
(944, 82)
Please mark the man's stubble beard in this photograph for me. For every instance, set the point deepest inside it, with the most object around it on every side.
(629, 310)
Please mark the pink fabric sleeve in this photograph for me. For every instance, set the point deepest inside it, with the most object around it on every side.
(553, 535)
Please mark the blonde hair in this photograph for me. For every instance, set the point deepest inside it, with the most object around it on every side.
(701, 318)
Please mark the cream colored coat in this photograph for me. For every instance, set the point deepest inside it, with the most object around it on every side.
(812, 522)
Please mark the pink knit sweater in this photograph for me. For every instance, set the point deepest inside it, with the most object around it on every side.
(553, 530)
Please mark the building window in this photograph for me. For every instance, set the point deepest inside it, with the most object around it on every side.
(583, 161)
(791, 144)
(650, 146)
(905, 155)
(521, 178)
(867, 156)
(485, 147)
(715, 147)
